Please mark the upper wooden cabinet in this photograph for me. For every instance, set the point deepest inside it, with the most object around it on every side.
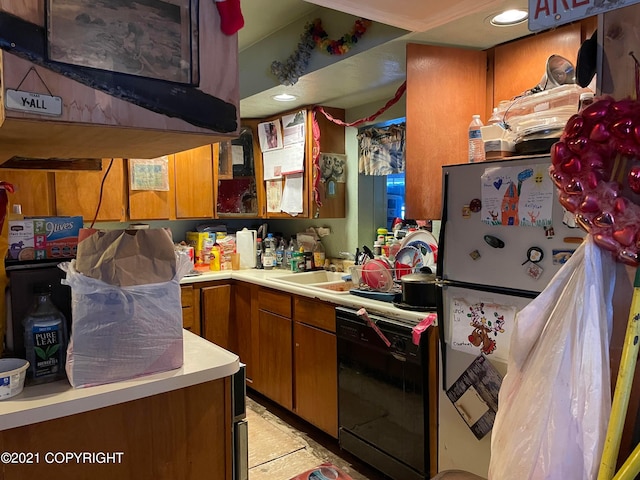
(104, 88)
(34, 191)
(80, 192)
(153, 204)
(445, 87)
(193, 182)
(310, 194)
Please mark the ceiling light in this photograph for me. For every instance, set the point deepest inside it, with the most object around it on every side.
(284, 97)
(509, 17)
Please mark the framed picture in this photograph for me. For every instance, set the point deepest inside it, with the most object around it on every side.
(147, 38)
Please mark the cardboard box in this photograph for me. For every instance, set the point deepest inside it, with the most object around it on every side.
(196, 240)
(43, 238)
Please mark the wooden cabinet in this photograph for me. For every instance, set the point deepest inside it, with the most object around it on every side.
(216, 315)
(193, 183)
(244, 334)
(81, 192)
(445, 87)
(151, 110)
(190, 308)
(34, 190)
(316, 364)
(273, 371)
(153, 204)
(184, 433)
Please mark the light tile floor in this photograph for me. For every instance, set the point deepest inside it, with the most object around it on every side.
(282, 446)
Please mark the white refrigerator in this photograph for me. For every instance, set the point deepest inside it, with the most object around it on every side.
(503, 236)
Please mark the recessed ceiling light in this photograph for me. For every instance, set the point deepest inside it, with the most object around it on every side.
(284, 97)
(509, 17)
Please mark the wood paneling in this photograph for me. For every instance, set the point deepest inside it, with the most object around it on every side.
(331, 141)
(78, 193)
(316, 377)
(241, 326)
(445, 87)
(34, 190)
(183, 434)
(194, 183)
(216, 310)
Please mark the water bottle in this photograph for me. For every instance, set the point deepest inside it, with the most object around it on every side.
(45, 339)
(280, 259)
(269, 253)
(476, 145)
(291, 249)
(258, 253)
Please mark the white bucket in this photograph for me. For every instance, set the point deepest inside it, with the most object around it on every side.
(12, 373)
(246, 247)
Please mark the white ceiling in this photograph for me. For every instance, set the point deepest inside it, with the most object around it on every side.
(372, 75)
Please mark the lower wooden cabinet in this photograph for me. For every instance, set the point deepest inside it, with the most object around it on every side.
(190, 308)
(216, 315)
(275, 359)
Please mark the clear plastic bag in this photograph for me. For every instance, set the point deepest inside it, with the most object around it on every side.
(120, 333)
(555, 400)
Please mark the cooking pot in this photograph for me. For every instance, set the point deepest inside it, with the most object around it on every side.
(419, 289)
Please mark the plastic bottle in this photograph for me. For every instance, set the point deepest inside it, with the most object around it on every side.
(280, 249)
(269, 253)
(16, 212)
(495, 117)
(258, 253)
(293, 247)
(214, 259)
(476, 145)
(318, 255)
(45, 339)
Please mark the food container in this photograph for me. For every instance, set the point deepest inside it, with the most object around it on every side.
(419, 289)
(12, 374)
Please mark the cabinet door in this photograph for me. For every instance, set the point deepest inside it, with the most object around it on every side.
(193, 172)
(445, 87)
(241, 324)
(275, 359)
(216, 302)
(236, 190)
(190, 308)
(316, 377)
(34, 190)
(153, 204)
(78, 193)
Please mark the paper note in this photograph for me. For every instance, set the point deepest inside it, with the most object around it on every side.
(283, 161)
(292, 194)
(274, 195)
(293, 127)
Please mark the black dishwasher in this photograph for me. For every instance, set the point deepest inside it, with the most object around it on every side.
(381, 395)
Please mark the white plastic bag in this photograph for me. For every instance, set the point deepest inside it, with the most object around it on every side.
(555, 400)
(119, 333)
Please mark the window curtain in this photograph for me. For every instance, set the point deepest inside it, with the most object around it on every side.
(381, 149)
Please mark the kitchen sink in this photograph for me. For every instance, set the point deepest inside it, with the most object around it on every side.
(309, 278)
(321, 279)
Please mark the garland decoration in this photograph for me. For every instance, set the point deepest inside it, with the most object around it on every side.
(314, 35)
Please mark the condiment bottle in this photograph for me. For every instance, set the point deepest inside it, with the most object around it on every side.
(318, 255)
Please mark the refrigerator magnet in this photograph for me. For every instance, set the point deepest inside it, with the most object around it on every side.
(475, 205)
(494, 242)
(534, 255)
(533, 269)
(466, 211)
(475, 255)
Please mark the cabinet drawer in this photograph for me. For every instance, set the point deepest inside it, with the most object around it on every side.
(274, 302)
(317, 314)
(186, 296)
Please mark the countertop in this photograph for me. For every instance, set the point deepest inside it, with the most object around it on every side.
(203, 362)
(269, 278)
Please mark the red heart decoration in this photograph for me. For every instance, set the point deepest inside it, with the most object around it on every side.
(596, 166)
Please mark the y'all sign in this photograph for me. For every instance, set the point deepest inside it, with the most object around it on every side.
(545, 14)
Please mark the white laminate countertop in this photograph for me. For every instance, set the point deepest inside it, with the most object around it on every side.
(269, 278)
(203, 362)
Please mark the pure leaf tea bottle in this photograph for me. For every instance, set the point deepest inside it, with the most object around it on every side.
(45, 339)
